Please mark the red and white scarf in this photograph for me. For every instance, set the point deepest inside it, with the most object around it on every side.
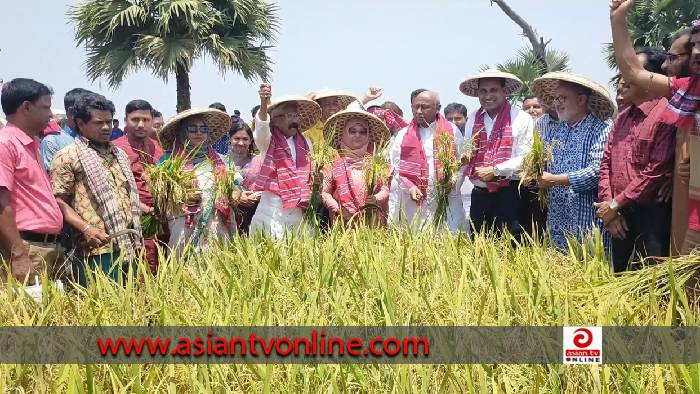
(495, 149)
(413, 164)
(279, 174)
(349, 198)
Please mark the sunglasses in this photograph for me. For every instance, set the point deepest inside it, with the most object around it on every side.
(356, 130)
(202, 129)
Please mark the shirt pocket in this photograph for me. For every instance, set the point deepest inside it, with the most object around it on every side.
(640, 152)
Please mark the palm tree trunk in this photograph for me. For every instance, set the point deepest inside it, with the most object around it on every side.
(182, 78)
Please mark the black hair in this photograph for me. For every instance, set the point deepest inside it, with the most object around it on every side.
(138, 105)
(156, 114)
(72, 96)
(416, 92)
(237, 112)
(254, 110)
(655, 59)
(92, 101)
(219, 106)
(114, 121)
(457, 107)
(371, 107)
(530, 97)
(19, 90)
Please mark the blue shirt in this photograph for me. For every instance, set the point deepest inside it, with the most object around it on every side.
(578, 151)
(222, 146)
(51, 144)
(116, 133)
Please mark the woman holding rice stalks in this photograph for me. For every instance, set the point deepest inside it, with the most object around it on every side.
(356, 180)
(206, 213)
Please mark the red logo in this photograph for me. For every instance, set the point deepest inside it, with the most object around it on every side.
(583, 338)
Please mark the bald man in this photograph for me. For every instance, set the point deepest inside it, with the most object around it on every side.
(412, 192)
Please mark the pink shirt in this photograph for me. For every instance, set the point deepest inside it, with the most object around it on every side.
(23, 174)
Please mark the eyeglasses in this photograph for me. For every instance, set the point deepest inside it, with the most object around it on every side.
(360, 131)
(559, 99)
(672, 57)
(202, 129)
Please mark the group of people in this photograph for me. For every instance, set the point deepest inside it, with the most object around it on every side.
(623, 169)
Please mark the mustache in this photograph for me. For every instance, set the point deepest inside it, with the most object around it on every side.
(293, 125)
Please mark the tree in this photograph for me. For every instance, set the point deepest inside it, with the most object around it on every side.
(654, 22)
(526, 66)
(167, 36)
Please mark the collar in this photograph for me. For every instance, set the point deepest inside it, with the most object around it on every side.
(647, 106)
(18, 134)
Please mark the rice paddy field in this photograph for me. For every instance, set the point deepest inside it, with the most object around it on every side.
(369, 277)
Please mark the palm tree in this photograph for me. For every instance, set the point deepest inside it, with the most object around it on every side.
(167, 36)
(526, 66)
(654, 22)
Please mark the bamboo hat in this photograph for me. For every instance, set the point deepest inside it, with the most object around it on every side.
(309, 111)
(470, 86)
(219, 124)
(344, 98)
(333, 129)
(599, 103)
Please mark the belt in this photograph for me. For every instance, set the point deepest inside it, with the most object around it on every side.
(38, 237)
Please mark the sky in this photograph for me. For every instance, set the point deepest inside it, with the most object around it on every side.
(398, 45)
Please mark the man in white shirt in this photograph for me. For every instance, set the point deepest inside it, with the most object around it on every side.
(502, 137)
(283, 177)
(411, 153)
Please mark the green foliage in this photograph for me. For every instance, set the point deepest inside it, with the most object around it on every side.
(525, 66)
(122, 36)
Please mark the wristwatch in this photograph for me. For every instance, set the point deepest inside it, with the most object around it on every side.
(496, 171)
(613, 204)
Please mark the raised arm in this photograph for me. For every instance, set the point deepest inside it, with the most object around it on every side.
(630, 67)
(261, 134)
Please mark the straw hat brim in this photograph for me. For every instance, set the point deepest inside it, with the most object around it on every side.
(333, 129)
(309, 110)
(344, 98)
(218, 121)
(600, 104)
(470, 86)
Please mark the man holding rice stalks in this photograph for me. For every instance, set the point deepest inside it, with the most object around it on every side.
(284, 174)
(142, 152)
(578, 139)
(201, 203)
(425, 159)
(357, 181)
(501, 137)
(97, 193)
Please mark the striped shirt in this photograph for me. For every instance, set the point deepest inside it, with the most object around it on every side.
(578, 151)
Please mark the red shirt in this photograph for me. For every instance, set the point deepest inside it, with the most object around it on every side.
(23, 174)
(638, 157)
(141, 156)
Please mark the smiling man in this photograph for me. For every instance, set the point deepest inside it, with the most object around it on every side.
(502, 136)
(96, 190)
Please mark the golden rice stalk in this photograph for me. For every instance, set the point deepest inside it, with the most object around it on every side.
(449, 163)
(535, 163)
(226, 186)
(171, 186)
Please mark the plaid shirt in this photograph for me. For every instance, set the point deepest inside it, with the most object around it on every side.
(638, 157)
